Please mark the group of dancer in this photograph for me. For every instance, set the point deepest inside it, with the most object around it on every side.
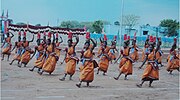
(48, 52)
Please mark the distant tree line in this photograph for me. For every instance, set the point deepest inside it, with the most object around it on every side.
(172, 25)
(92, 27)
(128, 21)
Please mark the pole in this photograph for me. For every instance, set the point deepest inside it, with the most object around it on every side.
(121, 22)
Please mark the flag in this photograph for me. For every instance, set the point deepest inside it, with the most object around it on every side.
(2, 14)
(103, 31)
(84, 28)
(135, 34)
(27, 25)
(6, 24)
(2, 27)
(7, 14)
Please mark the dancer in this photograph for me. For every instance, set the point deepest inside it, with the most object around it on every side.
(159, 52)
(39, 56)
(125, 66)
(104, 57)
(101, 45)
(57, 45)
(51, 56)
(134, 49)
(87, 67)
(151, 72)
(26, 51)
(173, 59)
(111, 53)
(70, 57)
(18, 46)
(6, 46)
(145, 48)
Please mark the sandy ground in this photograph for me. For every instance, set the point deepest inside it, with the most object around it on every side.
(21, 84)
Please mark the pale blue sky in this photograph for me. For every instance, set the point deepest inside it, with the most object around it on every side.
(42, 11)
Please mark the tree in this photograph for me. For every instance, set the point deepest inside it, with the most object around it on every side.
(70, 24)
(38, 25)
(92, 27)
(20, 23)
(98, 26)
(117, 23)
(172, 26)
(130, 20)
(88, 26)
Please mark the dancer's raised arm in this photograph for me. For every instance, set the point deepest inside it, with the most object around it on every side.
(77, 40)
(94, 44)
(32, 39)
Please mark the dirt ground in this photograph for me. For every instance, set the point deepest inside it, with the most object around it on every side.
(21, 84)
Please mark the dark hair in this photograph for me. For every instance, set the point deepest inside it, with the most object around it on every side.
(38, 41)
(69, 40)
(105, 42)
(87, 42)
(7, 34)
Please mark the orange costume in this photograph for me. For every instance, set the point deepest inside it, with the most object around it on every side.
(151, 72)
(111, 54)
(18, 51)
(104, 60)
(26, 53)
(87, 69)
(70, 61)
(7, 46)
(173, 61)
(125, 65)
(144, 50)
(25, 58)
(134, 52)
(58, 49)
(159, 56)
(100, 48)
(40, 59)
(51, 59)
(70, 57)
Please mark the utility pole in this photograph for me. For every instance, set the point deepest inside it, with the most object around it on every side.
(121, 22)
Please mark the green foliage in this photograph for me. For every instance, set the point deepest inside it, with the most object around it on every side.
(70, 24)
(38, 25)
(117, 23)
(172, 26)
(92, 27)
(98, 26)
(88, 26)
(20, 23)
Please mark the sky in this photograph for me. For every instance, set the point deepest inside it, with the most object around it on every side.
(55, 11)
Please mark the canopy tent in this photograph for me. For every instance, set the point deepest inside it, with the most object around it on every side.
(41, 29)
